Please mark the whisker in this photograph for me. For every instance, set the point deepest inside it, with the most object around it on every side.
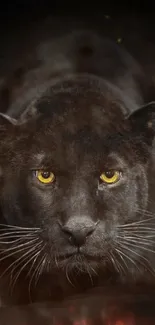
(31, 257)
(56, 260)
(16, 251)
(32, 265)
(21, 261)
(14, 235)
(142, 235)
(146, 265)
(115, 263)
(33, 274)
(141, 247)
(122, 258)
(144, 212)
(13, 241)
(40, 268)
(19, 246)
(32, 248)
(130, 259)
(89, 273)
(10, 238)
(19, 239)
(141, 227)
(112, 259)
(135, 222)
(137, 239)
(17, 232)
(18, 227)
(121, 266)
(67, 276)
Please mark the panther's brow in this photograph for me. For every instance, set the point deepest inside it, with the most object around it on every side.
(39, 158)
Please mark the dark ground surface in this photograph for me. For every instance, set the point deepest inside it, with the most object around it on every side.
(98, 308)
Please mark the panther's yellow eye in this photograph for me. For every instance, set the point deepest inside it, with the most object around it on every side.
(45, 177)
(110, 176)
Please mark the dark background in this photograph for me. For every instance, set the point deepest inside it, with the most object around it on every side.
(133, 24)
(25, 24)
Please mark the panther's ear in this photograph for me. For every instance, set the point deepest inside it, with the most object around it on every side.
(7, 121)
(142, 122)
(29, 113)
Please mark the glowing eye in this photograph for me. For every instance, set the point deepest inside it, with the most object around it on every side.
(110, 176)
(45, 177)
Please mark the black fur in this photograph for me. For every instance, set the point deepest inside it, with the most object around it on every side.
(80, 231)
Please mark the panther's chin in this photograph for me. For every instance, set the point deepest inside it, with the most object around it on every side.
(79, 262)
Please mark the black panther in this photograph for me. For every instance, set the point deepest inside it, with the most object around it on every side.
(77, 192)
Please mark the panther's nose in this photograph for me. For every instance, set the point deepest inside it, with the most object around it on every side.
(79, 229)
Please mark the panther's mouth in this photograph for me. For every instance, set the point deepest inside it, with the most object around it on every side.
(78, 256)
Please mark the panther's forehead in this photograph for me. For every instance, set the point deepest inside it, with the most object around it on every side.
(84, 149)
(88, 124)
(79, 135)
(78, 120)
(78, 101)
